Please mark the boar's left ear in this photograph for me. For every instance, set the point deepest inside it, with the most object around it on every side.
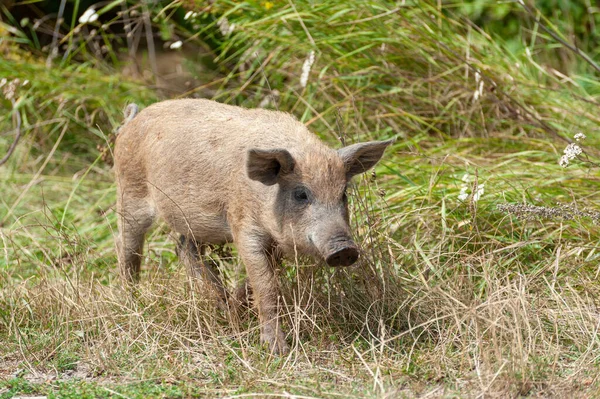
(267, 166)
(359, 158)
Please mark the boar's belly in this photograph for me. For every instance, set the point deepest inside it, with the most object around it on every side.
(205, 228)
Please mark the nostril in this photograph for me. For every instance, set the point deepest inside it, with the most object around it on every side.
(343, 257)
(351, 257)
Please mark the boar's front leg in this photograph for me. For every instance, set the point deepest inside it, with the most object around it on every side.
(260, 260)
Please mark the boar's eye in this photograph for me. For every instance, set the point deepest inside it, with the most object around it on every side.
(345, 195)
(301, 195)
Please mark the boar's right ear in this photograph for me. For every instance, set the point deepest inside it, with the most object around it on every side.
(267, 166)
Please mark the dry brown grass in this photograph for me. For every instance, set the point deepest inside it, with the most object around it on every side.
(406, 321)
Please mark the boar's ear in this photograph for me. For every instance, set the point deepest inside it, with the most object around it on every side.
(359, 158)
(267, 166)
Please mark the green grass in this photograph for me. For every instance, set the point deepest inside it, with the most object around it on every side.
(78, 389)
(453, 298)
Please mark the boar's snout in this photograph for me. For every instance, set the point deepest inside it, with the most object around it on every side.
(342, 252)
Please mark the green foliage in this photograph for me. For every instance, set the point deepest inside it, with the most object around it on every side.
(72, 98)
(77, 389)
(509, 19)
(574, 20)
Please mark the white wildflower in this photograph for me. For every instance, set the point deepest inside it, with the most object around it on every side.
(579, 136)
(265, 102)
(463, 193)
(270, 99)
(478, 193)
(464, 189)
(88, 16)
(224, 26)
(571, 152)
(176, 45)
(479, 86)
(306, 68)
(3, 82)
(190, 14)
(10, 89)
(528, 52)
(563, 161)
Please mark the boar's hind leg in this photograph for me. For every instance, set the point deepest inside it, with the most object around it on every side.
(190, 252)
(135, 216)
(260, 266)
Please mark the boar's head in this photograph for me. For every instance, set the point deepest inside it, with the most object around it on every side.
(310, 206)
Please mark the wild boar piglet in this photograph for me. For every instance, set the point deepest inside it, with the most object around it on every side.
(218, 173)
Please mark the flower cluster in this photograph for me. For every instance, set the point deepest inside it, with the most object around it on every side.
(561, 211)
(9, 88)
(88, 16)
(478, 189)
(308, 63)
(224, 26)
(572, 151)
(190, 14)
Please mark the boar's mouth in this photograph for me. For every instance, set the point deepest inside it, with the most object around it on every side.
(342, 252)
